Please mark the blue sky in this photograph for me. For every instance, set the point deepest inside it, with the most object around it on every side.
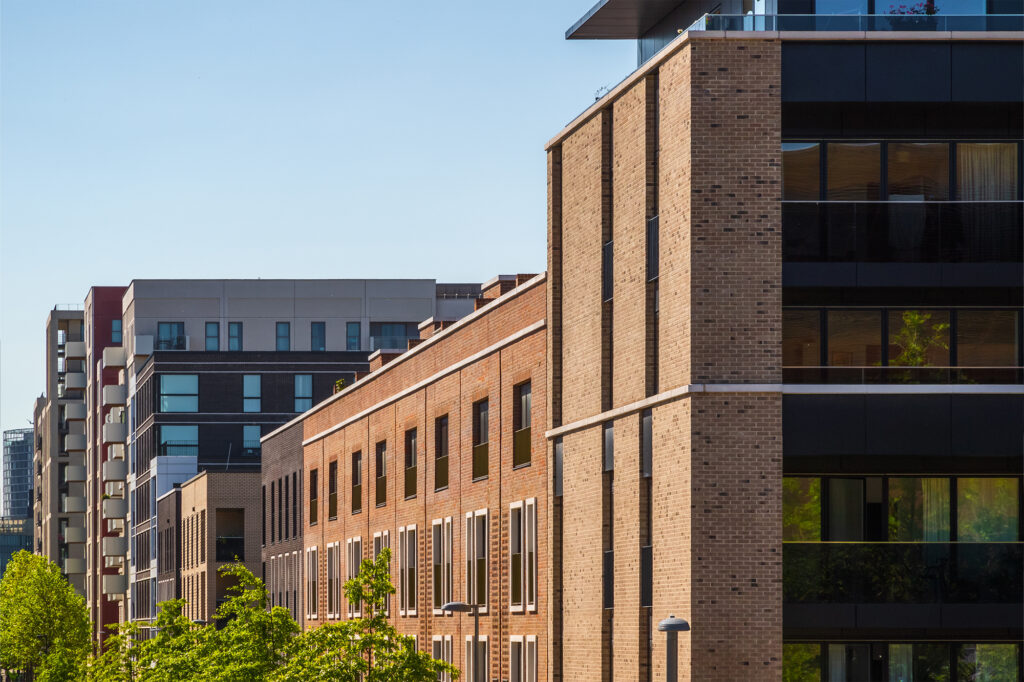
(273, 139)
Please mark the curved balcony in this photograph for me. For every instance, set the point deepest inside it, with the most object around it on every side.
(74, 442)
(114, 546)
(74, 350)
(114, 433)
(74, 566)
(115, 395)
(113, 357)
(74, 412)
(74, 474)
(74, 535)
(74, 381)
(114, 508)
(74, 504)
(115, 470)
(115, 584)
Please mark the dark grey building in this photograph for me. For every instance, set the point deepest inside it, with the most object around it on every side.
(16, 473)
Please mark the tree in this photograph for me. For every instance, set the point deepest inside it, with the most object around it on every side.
(916, 337)
(44, 625)
(367, 648)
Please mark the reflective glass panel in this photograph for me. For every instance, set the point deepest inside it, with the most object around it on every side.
(986, 171)
(987, 663)
(801, 338)
(919, 171)
(846, 509)
(854, 171)
(918, 338)
(801, 170)
(986, 338)
(801, 662)
(987, 509)
(801, 509)
(854, 338)
(919, 509)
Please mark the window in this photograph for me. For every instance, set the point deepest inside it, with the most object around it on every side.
(392, 334)
(234, 336)
(353, 336)
(317, 336)
(987, 509)
(284, 336)
(608, 447)
(354, 560)
(332, 490)
(480, 438)
(523, 555)
(986, 338)
(410, 463)
(476, 661)
(381, 464)
(918, 509)
(312, 594)
(314, 503)
(986, 171)
(646, 444)
(171, 336)
(476, 558)
(179, 392)
(333, 580)
(801, 338)
(272, 496)
(918, 171)
(357, 482)
(854, 171)
(251, 440)
(382, 541)
(442, 651)
(295, 502)
(441, 563)
(522, 658)
(115, 331)
(521, 420)
(441, 453)
(251, 390)
(801, 509)
(284, 509)
(178, 440)
(854, 338)
(213, 336)
(801, 171)
(407, 549)
(263, 515)
(303, 392)
(556, 485)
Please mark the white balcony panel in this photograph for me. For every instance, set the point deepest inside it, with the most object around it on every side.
(116, 450)
(115, 509)
(115, 584)
(74, 504)
(74, 442)
(115, 395)
(74, 412)
(74, 474)
(74, 380)
(74, 566)
(74, 350)
(114, 433)
(143, 346)
(115, 546)
(74, 535)
(115, 470)
(113, 357)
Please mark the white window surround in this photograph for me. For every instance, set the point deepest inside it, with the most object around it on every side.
(477, 557)
(408, 574)
(522, 535)
(353, 560)
(312, 596)
(482, 673)
(441, 559)
(442, 650)
(334, 580)
(382, 539)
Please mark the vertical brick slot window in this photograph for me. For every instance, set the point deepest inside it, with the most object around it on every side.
(410, 464)
(353, 559)
(523, 555)
(441, 453)
(313, 501)
(381, 465)
(480, 437)
(407, 579)
(332, 490)
(476, 558)
(357, 482)
(521, 420)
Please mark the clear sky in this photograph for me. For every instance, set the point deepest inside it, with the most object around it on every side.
(295, 138)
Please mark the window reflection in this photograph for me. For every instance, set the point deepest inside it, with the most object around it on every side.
(919, 509)
(918, 171)
(846, 509)
(987, 509)
(801, 170)
(854, 171)
(918, 338)
(986, 338)
(801, 338)
(854, 338)
(986, 171)
(801, 509)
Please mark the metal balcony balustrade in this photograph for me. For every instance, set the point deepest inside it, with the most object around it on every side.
(178, 448)
(903, 375)
(251, 448)
(858, 22)
(171, 343)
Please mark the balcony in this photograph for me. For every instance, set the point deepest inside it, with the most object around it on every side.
(114, 508)
(854, 22)
(229, 548)
(115, 432)
(480, 461)
(74, 566)
(251, 448)
(74, 474)
(73, 504)
(74, 350)
(903, 375)
(521, 447)
(115, 395)
(115, 470)
(389, 343)
(74, 412)
(74, 381)
(114, 546)
(113, 357)
(178, 448)
(172, 343)
(115, 584)
(143, 346)
(74, 535)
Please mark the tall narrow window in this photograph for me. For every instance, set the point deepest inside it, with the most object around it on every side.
(303, 392)
(314, 503)
(521, 422)
(646, 443)
(272, 496)
(441, 453)
(476, 661)
(357, 482)
(213, 336)
(523, 555)
(333, 580)
(251, 440)
(522, 659)
(332, 490)
(354, 558)
(353, 336)
(442, 651)
(407, 570)
(251, 393)
(480, 439)
(234, 336)
(515, 556)
(410, 463)
(115, 331)
(295, 502)
(476, 558)
(608, 448)
(318, 336)
(382, 541)
(441, 563)
(263, 515)
(312, 593)
(607, 270)
(284, 336)
(556, 475)
(285, 515)
(381, 466)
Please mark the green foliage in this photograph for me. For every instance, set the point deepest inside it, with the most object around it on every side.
(44, 625)
(801, 662)
(916, 337)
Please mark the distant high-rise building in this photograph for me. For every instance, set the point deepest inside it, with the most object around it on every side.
(16, 473)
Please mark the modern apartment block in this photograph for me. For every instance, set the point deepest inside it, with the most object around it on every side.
(16, 473)
(435, 455)
(15, 536)
(59, 458)
(788, 404)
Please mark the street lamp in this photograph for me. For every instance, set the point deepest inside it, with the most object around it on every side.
(463, 607)
(672, 626)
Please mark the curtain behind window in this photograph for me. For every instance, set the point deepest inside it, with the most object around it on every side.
(986, 171)
(901, 663)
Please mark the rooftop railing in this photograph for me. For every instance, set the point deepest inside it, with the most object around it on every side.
(858, 22)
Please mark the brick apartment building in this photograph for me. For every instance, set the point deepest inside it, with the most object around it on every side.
(434, 454)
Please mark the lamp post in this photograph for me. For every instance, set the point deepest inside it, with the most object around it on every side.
(463, 607)
(672, 626)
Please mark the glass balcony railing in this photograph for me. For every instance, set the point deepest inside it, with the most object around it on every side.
(902, 232)
(903, 375)
(902, 573)
(858, 22)
(178, 449)
(389, 342)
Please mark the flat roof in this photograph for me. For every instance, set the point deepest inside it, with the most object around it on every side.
(620, 19)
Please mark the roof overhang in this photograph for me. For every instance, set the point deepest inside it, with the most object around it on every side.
(610, 19)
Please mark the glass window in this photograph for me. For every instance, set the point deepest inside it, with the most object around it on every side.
(251, 439)
(918, 338)
(801, 171)
(179, 393)
(115, 331)
(854, 171)
(845, 509)
(303, 392)
(919, 509)
(986, 171)
(480, 427)
(284, 336)
(801, 338)
(986, 338)
(801, 662)
(234, 336)
(987, 509)
(854, 338)
(318, 336)
(170, 336)
(801, 509)
(353, 336)
(988, 663)
(251, 393)
(178, 440)
(521, 417)
(213, 336)
(919, 171)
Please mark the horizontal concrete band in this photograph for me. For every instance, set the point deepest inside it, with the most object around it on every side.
(789, 389)
(493, 348)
